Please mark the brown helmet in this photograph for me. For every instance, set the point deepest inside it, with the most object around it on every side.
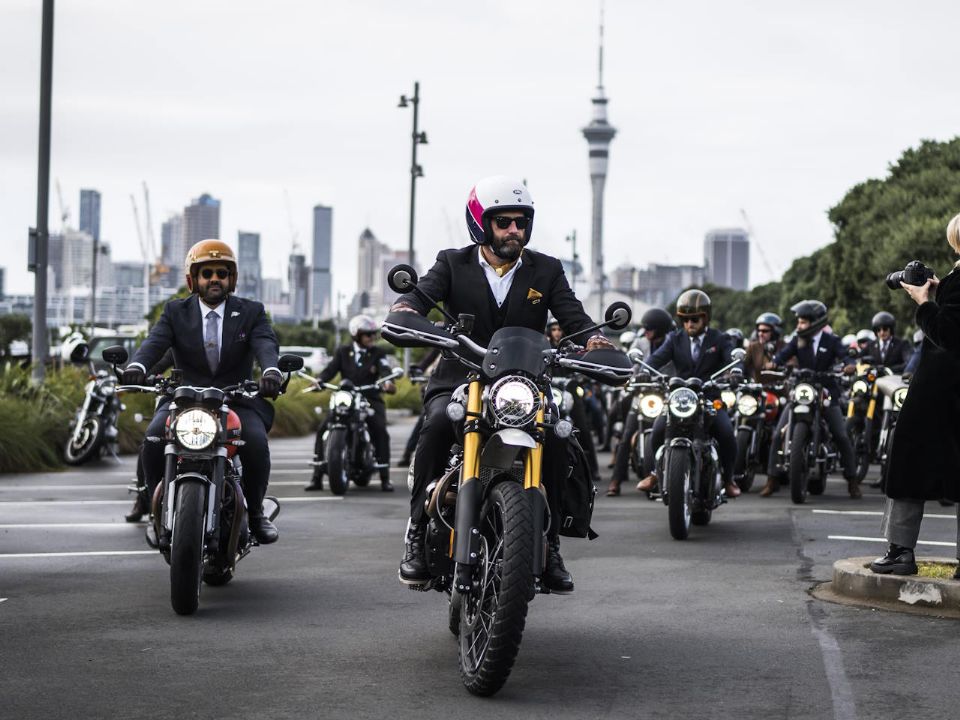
(693, 302)
(205, 251)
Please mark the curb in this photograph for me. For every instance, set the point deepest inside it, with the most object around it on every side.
(854, 584)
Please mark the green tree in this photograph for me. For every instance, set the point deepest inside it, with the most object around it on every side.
(13, 327)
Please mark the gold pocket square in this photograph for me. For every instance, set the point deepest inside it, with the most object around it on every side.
(534, 294)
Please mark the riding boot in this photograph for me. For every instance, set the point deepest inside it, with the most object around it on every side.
(614, 488)
(138, 511)
(385, 483)
(555, 576)
(648, 484)
(413, 567)
(771, 487)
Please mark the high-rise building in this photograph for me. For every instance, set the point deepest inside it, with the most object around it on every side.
(201, 221)
(90, 213)
(320, 282)
(2, 270)
(374, 260)
(127, 275)
(726, 256)
(248, 258)
(598, 133)
(173, 250)
(298, 279)
(70, 258)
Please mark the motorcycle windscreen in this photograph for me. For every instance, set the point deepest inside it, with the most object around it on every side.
(515, 349)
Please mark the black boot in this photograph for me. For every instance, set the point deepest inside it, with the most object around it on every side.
(899, 560)
(555, 576)
(138, 511)
(263, 530)
(413, 567)
(316, 482)
(385, 483)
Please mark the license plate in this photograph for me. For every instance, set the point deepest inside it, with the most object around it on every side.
(801, 409)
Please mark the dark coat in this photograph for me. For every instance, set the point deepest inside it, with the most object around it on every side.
(372, 366)
(830, 351)
(898, 354)
(715, 350)
(458, 281)
(247, 334)
(925, 456)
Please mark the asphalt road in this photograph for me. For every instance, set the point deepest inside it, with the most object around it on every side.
(720, 625)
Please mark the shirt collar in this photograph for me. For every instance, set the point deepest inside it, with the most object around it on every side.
(484, 264)
(816, 338)
(205, 309)
(356, 348)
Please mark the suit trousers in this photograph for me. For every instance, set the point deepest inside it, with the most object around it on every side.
(901, 522)
(254, 455)
(838, 430)
(433, 450)
(377, 426)
(720, 429)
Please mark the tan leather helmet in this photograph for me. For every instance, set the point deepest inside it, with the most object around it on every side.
(693, 302)
(205, 251)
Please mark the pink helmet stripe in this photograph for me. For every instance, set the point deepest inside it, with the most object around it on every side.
(476, 209)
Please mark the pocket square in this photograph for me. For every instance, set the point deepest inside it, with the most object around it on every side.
(234, 313)
(534, 294)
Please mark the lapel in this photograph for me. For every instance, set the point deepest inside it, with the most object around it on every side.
(517, 297)
(478, 278)
(684, 351)
(805, 356)
(195, 322)
(231, 324)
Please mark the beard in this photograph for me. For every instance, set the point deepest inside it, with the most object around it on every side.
(506, 250)
(213, 294)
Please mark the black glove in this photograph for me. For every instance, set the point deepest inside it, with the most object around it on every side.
(270, 384)
(133, 376)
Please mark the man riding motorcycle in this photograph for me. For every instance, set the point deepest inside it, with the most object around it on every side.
(697, 350)
(502, 283)
(888, 349)
(215, 337)
(761, 350)
(818, 350)
(362, 363)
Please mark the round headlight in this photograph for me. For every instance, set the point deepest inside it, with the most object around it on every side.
(899, 395)
(729, 398)
(557, 396)
(683, 402)
(804, 394)
(108, 389)
(514, 401)
(859, 387)
(747, 405)
(341, 398)
(196, 429)
(651, 406)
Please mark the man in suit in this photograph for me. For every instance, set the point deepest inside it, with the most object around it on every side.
(888, 349)
(362, 363)
(215, 337)
(502, 283)
(818, 350)
(697, 350)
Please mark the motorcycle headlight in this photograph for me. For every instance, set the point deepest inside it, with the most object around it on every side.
(683, 402)
(651, 406)
(747, 405)
(557, 396)
(89, 386)
(196, 429)
(859, 387)
(729, 398)
(514, 401)
(804, 394)
(899, 395)
(340, 399)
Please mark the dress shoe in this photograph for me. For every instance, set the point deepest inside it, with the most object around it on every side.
(899, 560)
(853, 487)
(263, 530)
(138, 511)
(386, 485)
(648, 484)
(555, 576)
(732, 489)
(770, 488)
(403, 462)
(614, 488)
(413, 567)
(314, 485)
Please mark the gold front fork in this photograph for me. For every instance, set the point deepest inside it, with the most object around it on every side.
(534, 462)
(471, 440)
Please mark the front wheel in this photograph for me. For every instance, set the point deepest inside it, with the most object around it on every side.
(860, 440)
(743, 468)
(494, 612)
(798, 470)
(336, 451)
(678, 492)
(186, 549)
(87, 443)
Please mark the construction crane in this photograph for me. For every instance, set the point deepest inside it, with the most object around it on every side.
(145, 253)
(64, 210)
(294, 235)
(157, 265)
(756, 243)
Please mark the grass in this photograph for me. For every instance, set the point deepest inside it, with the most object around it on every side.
(936, 570)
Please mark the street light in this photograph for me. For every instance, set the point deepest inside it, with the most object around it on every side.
(416, 171)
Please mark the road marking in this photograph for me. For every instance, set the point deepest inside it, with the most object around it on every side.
(127, 502)
(884, 540)
(95, 553)
(46, 526)
(3, 599)
(877, 513)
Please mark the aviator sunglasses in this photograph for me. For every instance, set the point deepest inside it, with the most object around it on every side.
(504, 222)
(222, 273)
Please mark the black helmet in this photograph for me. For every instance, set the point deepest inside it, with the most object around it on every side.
(771, 319)
(658, 320)
(736, 335)
(884, 319)
(814, 311)
(693, 302)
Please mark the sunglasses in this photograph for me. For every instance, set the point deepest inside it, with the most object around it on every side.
(761, 331)
(691, 319)
(221, 273)
(503, 222)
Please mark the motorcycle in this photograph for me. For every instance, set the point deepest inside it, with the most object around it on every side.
(198, 512)
(861, 409)
(647, 402)
(758, 407)
(94, 429)
(488, 515)
(343, 449)
(894, 389)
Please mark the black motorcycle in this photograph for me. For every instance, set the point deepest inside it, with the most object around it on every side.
(648, 391)
(758, 407)
(343, 449)
(861, 413)
(94, 429)
(894, 389)
(488, 515)
(199, 512)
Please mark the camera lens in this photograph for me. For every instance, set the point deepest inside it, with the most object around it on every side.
(893, 280)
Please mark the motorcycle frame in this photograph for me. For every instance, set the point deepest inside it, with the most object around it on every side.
(702, 447)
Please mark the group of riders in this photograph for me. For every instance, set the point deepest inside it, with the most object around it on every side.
(498, 280)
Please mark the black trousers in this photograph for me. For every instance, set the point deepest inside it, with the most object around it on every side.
(621, 461)
(433, 450)
(578, 416)
(411, 446)
(377, 426)
(720, 429)
(254, 455)
(838, 429)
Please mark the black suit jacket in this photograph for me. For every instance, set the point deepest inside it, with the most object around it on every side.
(830, 351)
(372, 366)
(458, 281)
(898, 354)
(247, 334)
(715, 349)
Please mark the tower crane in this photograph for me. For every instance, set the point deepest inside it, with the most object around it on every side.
(157, 265)
(145, 253)
(753, 238)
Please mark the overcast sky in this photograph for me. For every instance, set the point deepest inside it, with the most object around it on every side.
(719, 106)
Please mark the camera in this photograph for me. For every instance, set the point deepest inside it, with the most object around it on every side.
(915, 273)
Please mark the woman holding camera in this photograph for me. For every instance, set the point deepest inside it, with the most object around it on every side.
(926, 443)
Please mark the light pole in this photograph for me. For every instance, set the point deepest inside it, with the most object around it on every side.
(572, 239)
(418, 138)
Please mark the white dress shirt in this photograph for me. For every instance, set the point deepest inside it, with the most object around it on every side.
(815, 343)
(500, 286)
(219, 310)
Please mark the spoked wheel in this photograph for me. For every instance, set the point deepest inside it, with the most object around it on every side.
(743, 470)
(186, 549)
(799, 465)
(88, 441)
(678, 493)
(493, 614)
(336, 450)
(861, 447)
(885, 465)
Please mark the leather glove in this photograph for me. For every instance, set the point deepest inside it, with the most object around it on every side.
(599, 342)
(133, 376)
(270, 384)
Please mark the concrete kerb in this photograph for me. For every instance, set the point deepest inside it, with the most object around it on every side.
(854, 584)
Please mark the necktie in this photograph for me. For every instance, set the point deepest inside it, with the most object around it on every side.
(211, 341)
(883, 351)
(695, 350)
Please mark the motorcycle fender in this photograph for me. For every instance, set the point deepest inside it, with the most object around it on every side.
(501, 449)
(802, 409)
(173, 490)
(466, 526)
(681, 442)
(538, 504)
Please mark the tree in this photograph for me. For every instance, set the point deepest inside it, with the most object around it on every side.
(13, 327)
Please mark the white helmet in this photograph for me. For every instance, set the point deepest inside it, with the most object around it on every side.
(492, 195)
(627, 338)
(866, 336)
(362, 324)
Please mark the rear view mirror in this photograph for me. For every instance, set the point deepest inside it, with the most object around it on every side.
(617, 316)
(738, 354)
(115, 354)
(635, 355)
(290, 363)
(402, 279)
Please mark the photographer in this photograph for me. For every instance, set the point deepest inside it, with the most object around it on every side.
(926, 444)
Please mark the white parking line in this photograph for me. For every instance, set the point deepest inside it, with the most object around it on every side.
(884, 540)
(97, 553)
(877, 513)
(46, 526)
(127, 502)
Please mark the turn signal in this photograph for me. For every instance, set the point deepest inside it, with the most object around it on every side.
(718, 405)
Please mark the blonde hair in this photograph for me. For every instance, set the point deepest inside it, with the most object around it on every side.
(953, 234)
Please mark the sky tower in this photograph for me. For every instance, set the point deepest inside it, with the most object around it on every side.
(598, 133)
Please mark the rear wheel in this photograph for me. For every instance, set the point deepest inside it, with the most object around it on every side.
(88, 441)
(743, 470)
(799, 465)
(186, 549)
(678, 493)
(336, 451)
(493, 614)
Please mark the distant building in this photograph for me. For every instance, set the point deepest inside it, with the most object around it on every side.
(321, 286)
(298, 280)
(726, 256)
(70, 258)
(656, 285)
(248, 258)
(201, 221)
(173, 250)
(374, 260)
(127, 274)
(90, 213)
(2, 271)
(271, 290)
